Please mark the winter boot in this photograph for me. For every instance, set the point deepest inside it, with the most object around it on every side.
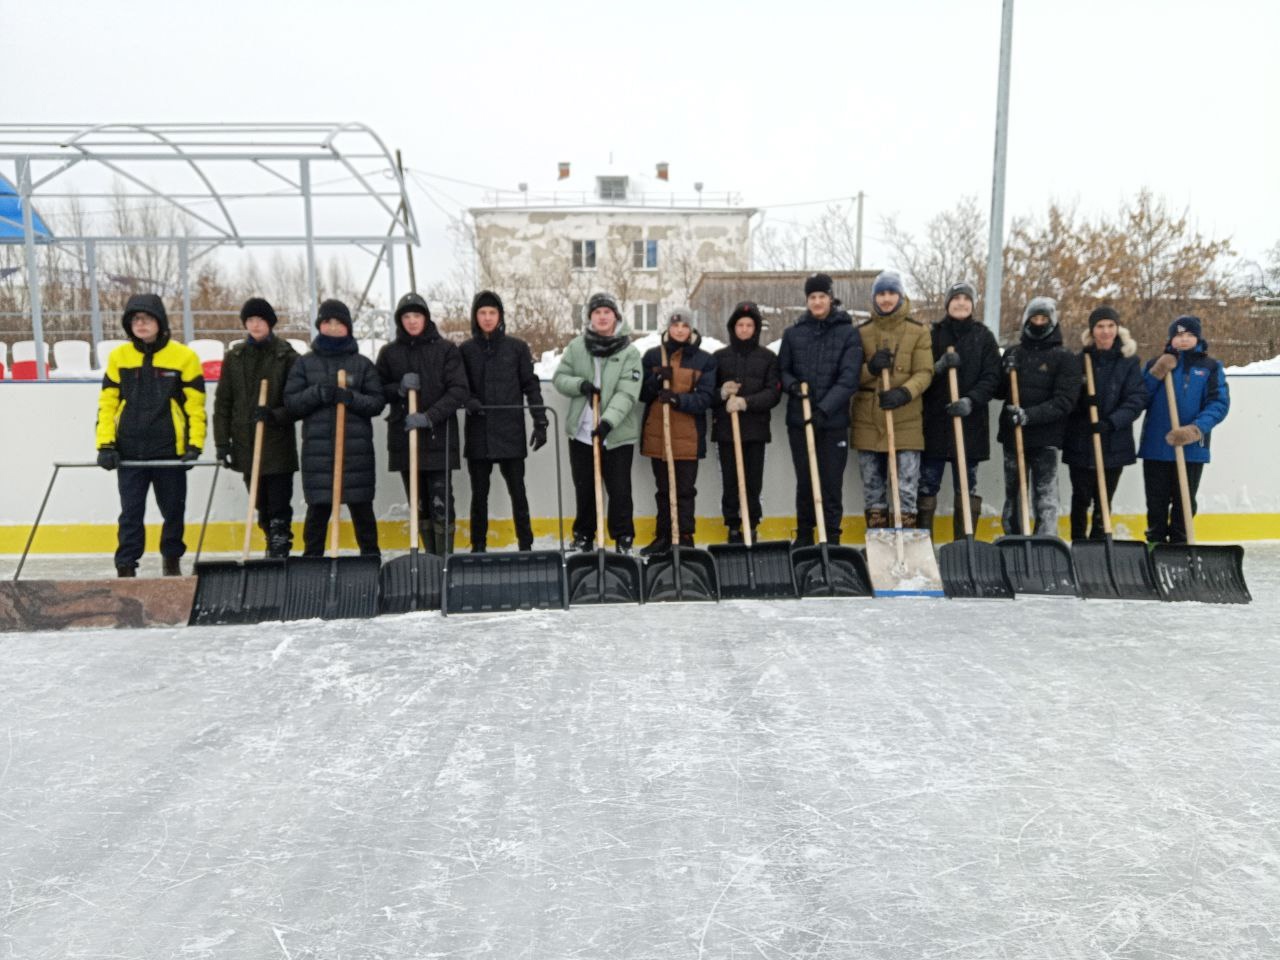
(804, 538)
(909, 521)
(686, 540)
(279, 539)
(479, 548)
(126, 571)
(925, 509)
(623, 545)
(735, 535)
(659, 545)
(877, 518)
(172, 567)
(525, 545)
(582, 543)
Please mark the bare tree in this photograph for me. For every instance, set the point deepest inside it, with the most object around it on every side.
(954, 248)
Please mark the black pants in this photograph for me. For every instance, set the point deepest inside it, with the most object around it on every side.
(753, 468)
(1084, 497)
(316, 526)
(686, 491)
(435, 507)
(832, 448)
(1165, 522)
(275, 497)
(170, 485)
(615, 469)
(513, 473)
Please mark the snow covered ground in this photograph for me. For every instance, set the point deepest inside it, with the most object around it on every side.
(1044, 779)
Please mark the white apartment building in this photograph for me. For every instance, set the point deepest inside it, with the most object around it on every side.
(547, 250)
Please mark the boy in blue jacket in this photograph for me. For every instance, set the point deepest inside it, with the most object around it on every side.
(1200, 386)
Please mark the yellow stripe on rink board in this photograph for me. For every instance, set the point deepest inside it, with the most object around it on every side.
(393, 535)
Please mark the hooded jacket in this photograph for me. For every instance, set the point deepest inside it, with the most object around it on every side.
(978, 378)
(693, 380)
(152, 403)
(245, 366)
(1200, 385)
(499, 372)
(755, 369)
(1117, 381)
(620, 376)
(826, 354)
(912, 369)
(1048, 388)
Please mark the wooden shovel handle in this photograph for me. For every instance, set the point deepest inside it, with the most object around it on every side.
(413, 474)
(744, 514)
(259, 429)
(1023, 505)
(961, 465)
(339, 448)
(595, 459)
(669, 457)
(814, 482)
(1180, 457)
(1097, 448)
(893, 456)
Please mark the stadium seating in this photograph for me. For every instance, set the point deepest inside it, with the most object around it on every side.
(208, 350)
(212, 369)
(71, 360)
(104, 350)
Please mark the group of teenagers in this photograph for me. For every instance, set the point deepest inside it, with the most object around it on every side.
(844, 382)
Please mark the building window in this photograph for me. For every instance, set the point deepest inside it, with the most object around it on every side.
(584, 254)
(645, 317)
(612, 188)
(644, 254)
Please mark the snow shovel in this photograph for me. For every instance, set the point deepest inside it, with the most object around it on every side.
(244, 590)
(752, 570)
(333, 587)
(682, 573)
(1189, 571)
(412, 582)
(824, 570)
(602, 577)
(1034, 564)
(1110, 569)
(969, 568)
(900, 561)
(519, 580)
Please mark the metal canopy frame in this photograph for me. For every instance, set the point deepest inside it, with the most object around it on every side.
(216, 155)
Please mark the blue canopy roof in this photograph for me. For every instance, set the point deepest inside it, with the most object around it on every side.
(11, 217)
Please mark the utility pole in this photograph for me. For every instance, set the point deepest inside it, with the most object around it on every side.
(995, 250)
(857, 253)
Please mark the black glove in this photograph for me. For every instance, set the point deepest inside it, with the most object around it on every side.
(882, 359)
(1102, 428)
(961, 408)
(410, 381)
(223, 455)
(664, 373)
(261, 415)
(1091, 401)
(588, 388)
(602, 430)
(895, 398)
(342, 395)
(473, 406)
(817, 418)
(796, 389)
(108, 458)
(325, 393)
(192, 454)
(668, 397)
(538, 438)
(418, 421)
(1014, 416)
(1009, 361)
(946, 362)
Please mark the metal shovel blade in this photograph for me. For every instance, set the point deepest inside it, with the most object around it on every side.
(236, 591)
(489, 582)
(1038, 565)
(1207, 574)
(331, 588)
(762, 571)
(1114, 570)
(603, 577)
(412, 582)
(901, 563)
(824, 570)
(682, 574)
(972, 569)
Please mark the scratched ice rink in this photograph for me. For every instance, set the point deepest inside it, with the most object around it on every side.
(1042, 780)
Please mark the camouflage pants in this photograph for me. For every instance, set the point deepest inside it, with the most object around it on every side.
(1042, 490)
(874, 468)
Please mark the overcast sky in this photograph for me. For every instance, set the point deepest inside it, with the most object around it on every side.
(782, 102)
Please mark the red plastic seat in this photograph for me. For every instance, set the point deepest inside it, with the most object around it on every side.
(212, 369)
(1, 371)
(25, 370)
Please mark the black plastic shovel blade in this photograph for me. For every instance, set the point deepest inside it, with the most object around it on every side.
(1207, 574)
(972, 569)
(234, 591)
(1114, 570)
(412, 582)
(830, 571)
(603, 577)
(682, 574)
(762, 571)
(1038, 565)
(331, 588)
(489, 582)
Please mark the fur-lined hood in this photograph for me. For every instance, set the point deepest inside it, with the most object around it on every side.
(1128, 346)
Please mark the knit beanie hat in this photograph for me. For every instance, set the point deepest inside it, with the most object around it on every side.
(888, 281)
(412, 303)
(965, 288)
(487, 298)
(258, 307)
(1186, 324)
(819, 283)
(682, 315)
(603, 300)
(334, 310)
(1103, 313)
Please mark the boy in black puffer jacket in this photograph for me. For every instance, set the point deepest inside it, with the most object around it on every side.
(419, 358)
(500, 373)
(312, 395)
(746, 383)
(1048, 386)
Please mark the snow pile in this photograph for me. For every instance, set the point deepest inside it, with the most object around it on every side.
(1259, 366)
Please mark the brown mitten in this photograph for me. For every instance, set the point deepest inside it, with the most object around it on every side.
(1164, 365)
(1181, 436)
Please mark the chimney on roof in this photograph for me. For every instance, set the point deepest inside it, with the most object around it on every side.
(663, 171)
(564, 171)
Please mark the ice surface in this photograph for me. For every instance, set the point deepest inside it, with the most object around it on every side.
(1047, 779)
